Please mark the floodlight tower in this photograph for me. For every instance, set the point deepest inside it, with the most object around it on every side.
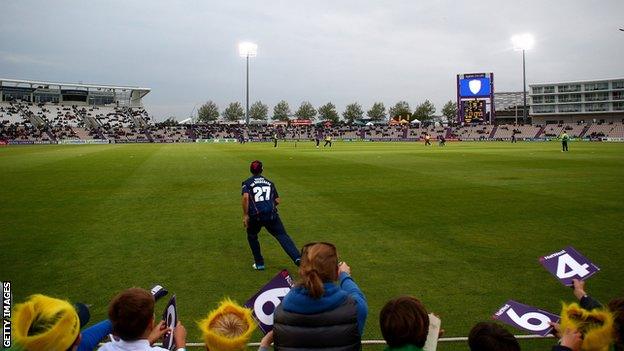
(247, 50)
(523, 42)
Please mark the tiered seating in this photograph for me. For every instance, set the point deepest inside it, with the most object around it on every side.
(15, 124)
(522, 131)
(299, 132)
(349, 132)
(477, 132)
(10, 113)
(83, 133)
(574, 130)
(391, 132)
(599, 130)
(112, 117)
(58, 115)
(232, 131)
(420, 132)
(172, 134)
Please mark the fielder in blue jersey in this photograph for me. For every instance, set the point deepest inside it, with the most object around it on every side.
(260, 200)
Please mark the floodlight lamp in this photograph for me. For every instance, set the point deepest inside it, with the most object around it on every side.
(247, 49)
(522, 41)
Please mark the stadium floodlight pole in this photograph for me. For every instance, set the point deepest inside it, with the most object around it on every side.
(523, 42)
(247, 50)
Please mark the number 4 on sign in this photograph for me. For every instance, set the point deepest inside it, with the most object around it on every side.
(576, 269)
(568, 264)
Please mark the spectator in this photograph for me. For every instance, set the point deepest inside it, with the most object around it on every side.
(132, 315)
(608, 327)
(318, 313)
(228, 328)
(46, 323)
(404, 324)
(571, 339)
(489, 336)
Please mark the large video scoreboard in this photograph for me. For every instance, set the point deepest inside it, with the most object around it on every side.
(475, 98)
(474, 111)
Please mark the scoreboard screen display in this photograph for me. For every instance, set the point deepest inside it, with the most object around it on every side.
(474, 110)
(474, 87)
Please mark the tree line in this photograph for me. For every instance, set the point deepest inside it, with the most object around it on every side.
(259, 111)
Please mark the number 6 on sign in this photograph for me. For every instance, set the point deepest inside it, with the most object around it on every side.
(524, 321)
(264, 302)
(569, 264)
(526, 317)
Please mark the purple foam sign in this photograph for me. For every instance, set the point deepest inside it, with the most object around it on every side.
(525, 317)
(568, 264)
(264, 302)
(170, 316)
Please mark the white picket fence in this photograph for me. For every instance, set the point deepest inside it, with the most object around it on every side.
(383, 342)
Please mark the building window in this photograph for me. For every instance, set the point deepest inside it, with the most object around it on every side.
(618, 106)
(16, 95)
(538, 99)
(618, 95)
(597, 107)
(549, 89)
(570, 98)
(42, 98)
(538, 90)
(618, 84)
(101, 100)
(569, 87)
(570, 108)
(597, 86)
(544, 109)
(549, 99)
(597, 97)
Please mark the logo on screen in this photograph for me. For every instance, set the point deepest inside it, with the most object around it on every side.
(474, 87)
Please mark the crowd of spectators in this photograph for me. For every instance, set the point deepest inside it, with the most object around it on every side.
(27, 121)
(325, 310)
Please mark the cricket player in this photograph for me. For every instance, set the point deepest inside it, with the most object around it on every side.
(328, 140)
(564, 141)
(260, 200)
(427, 139)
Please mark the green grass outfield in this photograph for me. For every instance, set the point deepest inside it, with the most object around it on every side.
(460, 227)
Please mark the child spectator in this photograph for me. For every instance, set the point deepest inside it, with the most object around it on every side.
(46, 323)
(489, 336)
(132, 315)
(228, 328)
(612, 317)
(404, 324)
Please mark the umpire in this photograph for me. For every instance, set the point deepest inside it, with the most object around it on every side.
(260, 200)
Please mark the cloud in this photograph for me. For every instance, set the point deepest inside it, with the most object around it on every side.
(315, 50)
(25, 59)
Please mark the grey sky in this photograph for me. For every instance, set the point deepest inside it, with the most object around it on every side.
(339, 51)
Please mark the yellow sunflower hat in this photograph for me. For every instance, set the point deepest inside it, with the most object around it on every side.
(595, 325)
(45, 323)
(228, 328)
